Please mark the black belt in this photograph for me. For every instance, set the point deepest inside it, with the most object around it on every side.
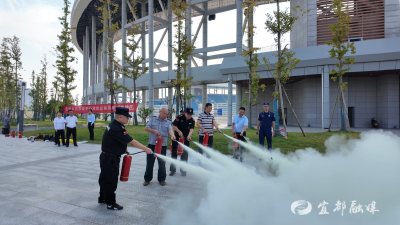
(107, 153)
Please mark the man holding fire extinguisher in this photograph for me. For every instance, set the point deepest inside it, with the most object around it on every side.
(205, 123)
(183, 126)
(114, 144)
(158, 126)
(239, 125)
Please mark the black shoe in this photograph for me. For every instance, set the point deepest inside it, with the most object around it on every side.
(101, 200)
(183, 173)
(146, 183)
(67, 146)
(114, 207)
(171, 173)
(75, 145)
(163, 183)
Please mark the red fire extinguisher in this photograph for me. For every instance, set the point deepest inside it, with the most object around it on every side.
(157, 149)
(13, 134)
(180, 148)
(20, 134)
(235, 144)
(126, 166)
(205, 139)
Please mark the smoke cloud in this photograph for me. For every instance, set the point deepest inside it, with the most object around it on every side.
(356, 173)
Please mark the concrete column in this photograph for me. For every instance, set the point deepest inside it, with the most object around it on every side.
(325, 98)
(204, 96)
(104, 64)
(151, 55)
(87, 63)
(205, 32)
(21, 112)
(238, 95)
(93, 57)
(84, 70)
(143, 29)
(239, 27)
(230, 100)
(123, 21)
(99, 62)
(189, 38)
(144, 98)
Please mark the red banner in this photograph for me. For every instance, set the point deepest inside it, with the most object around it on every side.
(100, 108)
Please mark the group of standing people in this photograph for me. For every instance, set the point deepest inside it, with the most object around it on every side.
(70, 123)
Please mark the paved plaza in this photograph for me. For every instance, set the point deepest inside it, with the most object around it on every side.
(41, 183)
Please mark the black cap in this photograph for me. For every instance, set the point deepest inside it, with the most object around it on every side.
(123, 111)
(189, 111)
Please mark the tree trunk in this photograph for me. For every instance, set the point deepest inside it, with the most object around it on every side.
(295, 116)
(282, 110)
(333, 111)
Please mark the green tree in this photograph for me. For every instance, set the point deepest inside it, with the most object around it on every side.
(135, 70)
(65, 72)
(251, 57)
(43, 87)
(279, 24)
(144, 114)
(107, 9)
(340, 47)
(15, 54)
(182, 49)
(8, 96)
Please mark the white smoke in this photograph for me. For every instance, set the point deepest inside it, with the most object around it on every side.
(362, 170)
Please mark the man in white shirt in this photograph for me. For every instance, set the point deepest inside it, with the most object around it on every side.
(90, 124)
(59, 126)
(71, 121)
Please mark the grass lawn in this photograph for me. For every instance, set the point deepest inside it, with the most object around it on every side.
(295, 140)
(48, 123)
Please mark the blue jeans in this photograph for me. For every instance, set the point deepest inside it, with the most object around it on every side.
(265, 133)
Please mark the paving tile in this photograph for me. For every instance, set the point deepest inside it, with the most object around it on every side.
(55, 206)
(92, 215)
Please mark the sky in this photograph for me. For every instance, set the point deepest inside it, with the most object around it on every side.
(36, 23)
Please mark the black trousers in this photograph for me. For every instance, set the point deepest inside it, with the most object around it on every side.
(174, 155)
(91, 126)
(108, 179)
(58, 134)
(240, 148)
(162, 173)
(210, 143)
(69, 132)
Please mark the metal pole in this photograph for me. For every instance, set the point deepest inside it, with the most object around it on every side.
(105, 96)
(239, 26)
(21, 114)
(189, 39)
(151, 55)
(123, 21)
(205, 32)
(143, 29)
(170, 71)
(230, 100)
(87, 63)
(93, 57)
(204, 95)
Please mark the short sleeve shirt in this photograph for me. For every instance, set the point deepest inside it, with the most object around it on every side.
(71, 121)
(206, 121)
(115, 138)
(162, 126)
(266, 119)
(6, 121)
(240, 122)
(183, 125)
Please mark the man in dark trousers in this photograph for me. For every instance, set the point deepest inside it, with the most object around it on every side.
(158, 126)
(114, 144)
(72, 122)
(267, 121)
(90, 124)
(183, 126)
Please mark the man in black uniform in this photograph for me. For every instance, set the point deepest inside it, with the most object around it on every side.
(183, 126)
(114, 144)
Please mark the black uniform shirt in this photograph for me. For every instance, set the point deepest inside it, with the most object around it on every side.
(183, 125)
(115, 139)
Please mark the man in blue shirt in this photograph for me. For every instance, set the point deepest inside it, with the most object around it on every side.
(90, 124)
(239, 125)
(267, 121)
